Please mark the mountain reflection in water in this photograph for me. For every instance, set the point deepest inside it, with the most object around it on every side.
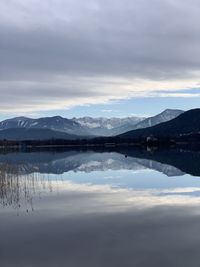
(123, 208)
(25, 175)
(58, 163)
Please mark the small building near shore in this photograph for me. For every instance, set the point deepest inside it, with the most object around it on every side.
(151, 139)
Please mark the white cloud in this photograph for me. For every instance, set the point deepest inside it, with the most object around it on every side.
(58, 54)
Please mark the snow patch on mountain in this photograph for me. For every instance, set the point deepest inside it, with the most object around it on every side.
(166, 115)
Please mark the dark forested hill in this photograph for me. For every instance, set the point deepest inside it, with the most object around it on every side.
(18, 134)
(185, 124)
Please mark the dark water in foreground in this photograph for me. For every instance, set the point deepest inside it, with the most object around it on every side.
(99, 209)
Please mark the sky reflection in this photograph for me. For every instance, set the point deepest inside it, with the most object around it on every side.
(115, 212)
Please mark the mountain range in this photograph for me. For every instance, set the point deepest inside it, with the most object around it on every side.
(185, 124)
(23, 128)
(108, 126)
(164, 116)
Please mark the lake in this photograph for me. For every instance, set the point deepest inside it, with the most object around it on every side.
(100, 208)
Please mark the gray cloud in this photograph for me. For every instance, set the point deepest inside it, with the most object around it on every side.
(79, 50)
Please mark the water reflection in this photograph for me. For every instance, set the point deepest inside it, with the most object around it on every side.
(100, 209)
(24, 176)
(172, 164)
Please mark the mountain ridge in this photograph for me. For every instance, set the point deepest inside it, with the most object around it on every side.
(185, 124)
(88, 126)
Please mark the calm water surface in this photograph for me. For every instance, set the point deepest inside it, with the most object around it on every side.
(99, 209)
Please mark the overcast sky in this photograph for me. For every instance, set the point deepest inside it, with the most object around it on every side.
(97, 57)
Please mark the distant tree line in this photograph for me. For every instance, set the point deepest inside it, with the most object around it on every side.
(99, 141)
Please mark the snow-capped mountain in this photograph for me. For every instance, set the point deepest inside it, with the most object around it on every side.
(106, 126)
(166, 115)
(55, 123)
(77, 126)
(107, 123)
(186, 125)
(88, 126)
